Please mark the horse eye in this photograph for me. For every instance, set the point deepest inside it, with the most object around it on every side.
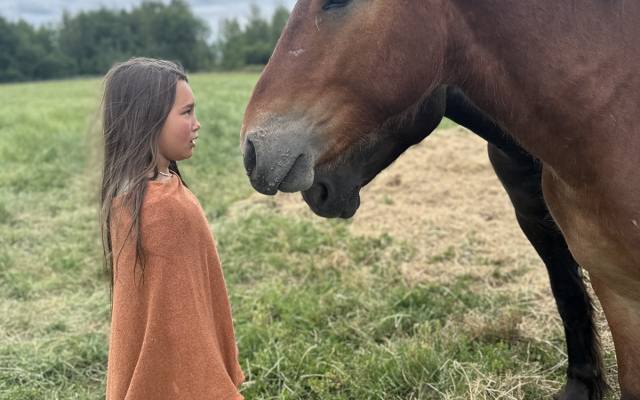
(329, 4)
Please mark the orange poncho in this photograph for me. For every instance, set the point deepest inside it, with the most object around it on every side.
(172, 337)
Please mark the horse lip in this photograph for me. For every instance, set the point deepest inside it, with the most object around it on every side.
(346, 206)
(297, 164)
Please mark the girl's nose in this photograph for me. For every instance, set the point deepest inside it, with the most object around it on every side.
(196, 127)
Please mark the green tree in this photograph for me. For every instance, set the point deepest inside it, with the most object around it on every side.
(278, 22)
(89, 42)
(96, 39)
(27, 53)
(232, 45)
(172, 31)
(9, 41)
(253, 44)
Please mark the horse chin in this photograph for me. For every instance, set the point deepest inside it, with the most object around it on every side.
(327, 205)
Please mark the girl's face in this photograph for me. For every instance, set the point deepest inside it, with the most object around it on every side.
(177, 138)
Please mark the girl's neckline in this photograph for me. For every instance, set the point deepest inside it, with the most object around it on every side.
(154, 184)
(165, 181)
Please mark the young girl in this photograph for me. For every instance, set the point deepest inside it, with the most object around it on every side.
(171, 332)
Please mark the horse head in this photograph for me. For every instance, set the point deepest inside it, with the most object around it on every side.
(346, 91)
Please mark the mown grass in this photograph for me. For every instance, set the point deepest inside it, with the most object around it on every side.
(320, 313)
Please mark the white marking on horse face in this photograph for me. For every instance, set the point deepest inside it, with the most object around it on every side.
(296, 52)
(635, 223)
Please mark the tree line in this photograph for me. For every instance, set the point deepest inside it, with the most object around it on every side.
(90, 42)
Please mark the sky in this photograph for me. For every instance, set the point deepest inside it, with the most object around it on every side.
(40, 12)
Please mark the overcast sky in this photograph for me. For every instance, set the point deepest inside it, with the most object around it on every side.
(39, 12)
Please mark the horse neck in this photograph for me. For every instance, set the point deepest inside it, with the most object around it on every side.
(540, 69)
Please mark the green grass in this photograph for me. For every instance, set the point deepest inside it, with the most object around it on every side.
(319, 313)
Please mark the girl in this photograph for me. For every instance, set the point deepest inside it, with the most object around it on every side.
(171, 330)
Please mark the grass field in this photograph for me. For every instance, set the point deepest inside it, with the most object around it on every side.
(430, 292)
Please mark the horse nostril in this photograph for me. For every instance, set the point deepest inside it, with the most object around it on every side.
(249, 157)
(323, 192)
(318, 194)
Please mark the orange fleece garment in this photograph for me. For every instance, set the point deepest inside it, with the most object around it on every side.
(171, 337)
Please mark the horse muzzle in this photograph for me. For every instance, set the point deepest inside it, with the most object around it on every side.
(281, 159)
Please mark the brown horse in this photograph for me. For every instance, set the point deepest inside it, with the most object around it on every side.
(561, 77)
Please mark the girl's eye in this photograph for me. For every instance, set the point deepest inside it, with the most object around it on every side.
(329, 4)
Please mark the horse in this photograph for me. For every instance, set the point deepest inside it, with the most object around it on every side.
(558, 77)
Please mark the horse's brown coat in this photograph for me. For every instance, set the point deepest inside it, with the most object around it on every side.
(562, 76)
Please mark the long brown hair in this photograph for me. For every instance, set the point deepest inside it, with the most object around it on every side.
(138, 96)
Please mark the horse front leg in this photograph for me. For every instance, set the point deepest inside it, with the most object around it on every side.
(520, 175)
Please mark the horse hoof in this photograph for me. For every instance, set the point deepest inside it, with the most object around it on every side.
(574, 390)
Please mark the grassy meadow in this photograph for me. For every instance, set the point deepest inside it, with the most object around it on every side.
(430, 292)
